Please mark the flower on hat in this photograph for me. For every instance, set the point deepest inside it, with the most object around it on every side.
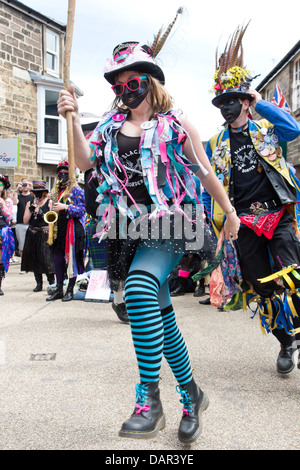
(232, 78)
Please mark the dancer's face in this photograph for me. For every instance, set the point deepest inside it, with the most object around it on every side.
(231, 109)
(63, 177)
(132, 88)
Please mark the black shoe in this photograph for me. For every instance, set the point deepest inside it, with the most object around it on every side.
(148, 417)
(38, 288)
(121, 312)
(285, 363)
(179, 290)
(69, 295)
(199, 292)
(181, 287)
(1, 292)
(205, 302)
(57, 294)
(195, 402)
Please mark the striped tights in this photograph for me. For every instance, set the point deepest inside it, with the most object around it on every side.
(153, 325)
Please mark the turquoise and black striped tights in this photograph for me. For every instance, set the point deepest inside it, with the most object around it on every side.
(153, 325)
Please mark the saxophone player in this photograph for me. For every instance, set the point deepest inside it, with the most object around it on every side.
(69, 241)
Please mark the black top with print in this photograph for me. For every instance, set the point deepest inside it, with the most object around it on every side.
(250, 183)
(129, 156)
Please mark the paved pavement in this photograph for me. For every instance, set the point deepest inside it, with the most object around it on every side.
(78, 398)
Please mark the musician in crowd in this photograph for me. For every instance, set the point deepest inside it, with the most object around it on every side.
(37, 254)
(69, 235)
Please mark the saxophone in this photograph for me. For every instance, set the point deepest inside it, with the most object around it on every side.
(51, 219)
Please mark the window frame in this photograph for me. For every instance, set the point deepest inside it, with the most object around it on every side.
(47, 152)
(54, 53)
(296, 85)
(42, 116)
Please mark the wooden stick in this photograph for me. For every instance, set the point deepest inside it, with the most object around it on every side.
(68, 48)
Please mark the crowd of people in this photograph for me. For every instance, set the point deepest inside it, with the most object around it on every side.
(154, 179)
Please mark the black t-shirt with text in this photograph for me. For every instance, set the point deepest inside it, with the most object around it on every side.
(250, 183)
(129, 156)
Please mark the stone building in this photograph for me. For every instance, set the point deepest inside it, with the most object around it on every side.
(287, 75)
(32, 135)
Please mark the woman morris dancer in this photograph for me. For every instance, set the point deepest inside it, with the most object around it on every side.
(7, 242)
(37, 254)
(137, 150)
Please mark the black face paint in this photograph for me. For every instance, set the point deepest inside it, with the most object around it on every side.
(231, 109)
(63, 177)
(38, 194)
(132, 99)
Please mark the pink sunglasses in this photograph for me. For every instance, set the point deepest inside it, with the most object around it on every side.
(132, 85)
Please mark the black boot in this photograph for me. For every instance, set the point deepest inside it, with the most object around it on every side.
(1, 291)
(39, 282)
(205, 302)
(201, 289)
(69, 295)
(285, 362)
(148, 417)
(181, 287)
(57, 294)
(195, 403)
(121, 311)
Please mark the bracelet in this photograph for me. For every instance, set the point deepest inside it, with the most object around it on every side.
(231, 210)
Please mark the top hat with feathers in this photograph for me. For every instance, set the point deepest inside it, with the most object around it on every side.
(231, 78)
(138, 57)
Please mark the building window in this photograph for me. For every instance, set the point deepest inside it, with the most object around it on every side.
(52, 53)
(50, 180)
(296, 85)
(52, 135)
(51, 119)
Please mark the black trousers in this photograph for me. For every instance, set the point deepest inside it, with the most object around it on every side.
(256, 255)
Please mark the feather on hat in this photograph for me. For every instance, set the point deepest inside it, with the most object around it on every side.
(138, 57)
(231, 77)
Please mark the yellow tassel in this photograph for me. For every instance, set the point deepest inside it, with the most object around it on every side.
(291, 304)
(281, 273)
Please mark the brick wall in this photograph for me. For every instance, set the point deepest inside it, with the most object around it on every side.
(285, 79)
(20, 51)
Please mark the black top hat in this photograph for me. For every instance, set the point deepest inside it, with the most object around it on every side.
(132, 56)
(39, 186)
(139, 57)
(231, 77)
(62, 165)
